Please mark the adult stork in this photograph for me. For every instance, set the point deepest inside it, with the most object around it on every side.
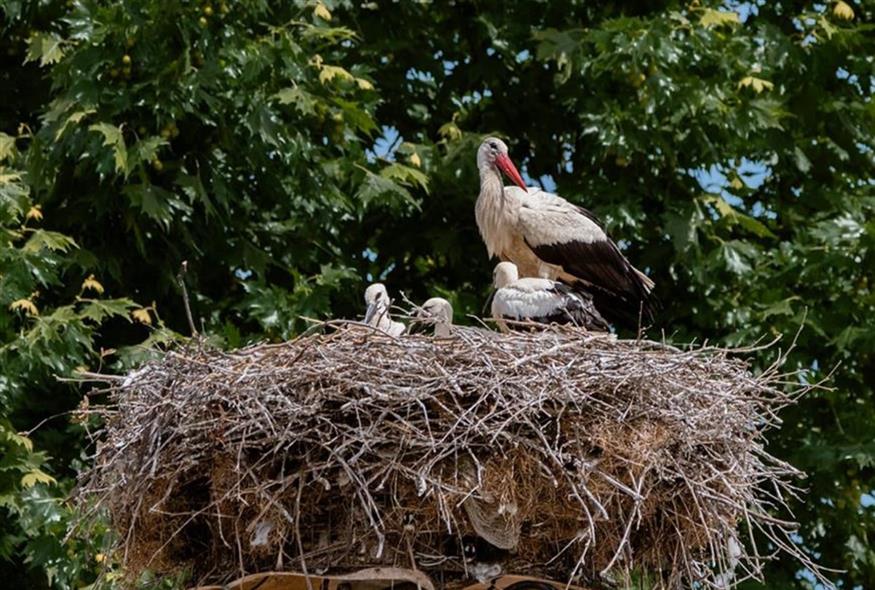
(439, 312)
(541, 300)
(546, 236)
(377, 314)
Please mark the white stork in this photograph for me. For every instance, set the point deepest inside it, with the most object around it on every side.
(439, 312)
(541, 300)
(546, 236)
(377, 314)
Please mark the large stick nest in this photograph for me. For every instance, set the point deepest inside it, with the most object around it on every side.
(558, 453)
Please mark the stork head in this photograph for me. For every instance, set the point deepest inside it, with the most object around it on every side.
(439, 310)
(377, 300)
(504, 274)
(493, 154)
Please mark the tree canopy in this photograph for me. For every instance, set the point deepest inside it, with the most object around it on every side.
(291, 152)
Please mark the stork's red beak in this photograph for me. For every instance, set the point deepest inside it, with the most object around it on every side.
(505, 165)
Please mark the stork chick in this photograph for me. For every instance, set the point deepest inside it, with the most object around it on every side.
(439, 312)
(377, 314)
(540, 300)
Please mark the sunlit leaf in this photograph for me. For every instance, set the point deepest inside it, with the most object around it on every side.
(329, 73)
(843, 11)
(24, 305)
(142, 316)
(757, 84)
(322, 12)
(112, 136)
(36, 476)
(47, 48)
(92, 284)
(364, 84)
(7, 146)
(35, 213)
(718, 18)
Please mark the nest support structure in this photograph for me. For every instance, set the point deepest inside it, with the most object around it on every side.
(560, 453)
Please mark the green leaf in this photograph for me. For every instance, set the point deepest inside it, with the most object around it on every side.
(304, 102)
(73, 118)
(112, 136)
(767, 113)
(735, 217)
(376, 187)
(146, 149)
(561, 47)
(356, 116)
(11, 436)
(405, 175)
(450, 131)
(48, 240)
(781, 308)
(849, 336)
(753, 225)
(682, 228)
(47, 48)
(161, 205)
(97, 310)
(738, 256)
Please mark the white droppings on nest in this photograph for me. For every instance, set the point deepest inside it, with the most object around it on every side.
(596, 455)
(262, 531)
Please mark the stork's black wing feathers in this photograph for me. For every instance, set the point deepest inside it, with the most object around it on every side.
(618, 290)
(578, 309)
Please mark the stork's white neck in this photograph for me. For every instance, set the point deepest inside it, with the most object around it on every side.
(491, 186)
(495, 212)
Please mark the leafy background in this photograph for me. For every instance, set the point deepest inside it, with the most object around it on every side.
(293, 151)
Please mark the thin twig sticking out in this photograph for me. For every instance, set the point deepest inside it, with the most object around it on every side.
(183, 269)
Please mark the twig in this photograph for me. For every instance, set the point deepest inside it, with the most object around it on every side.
(180, 278)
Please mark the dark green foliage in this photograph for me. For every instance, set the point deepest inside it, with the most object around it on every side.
(239, 136)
